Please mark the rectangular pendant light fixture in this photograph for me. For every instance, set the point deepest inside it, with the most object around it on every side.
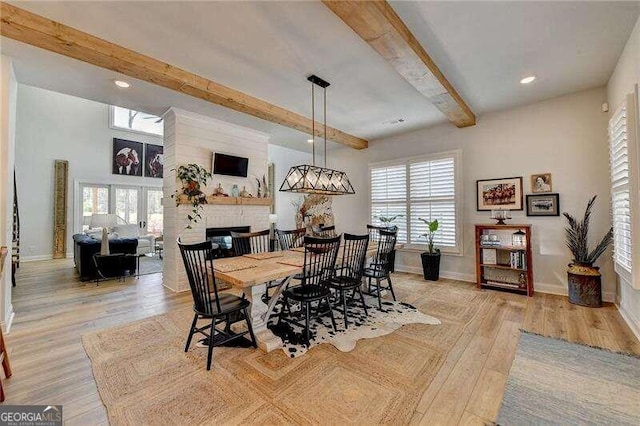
(312, 179)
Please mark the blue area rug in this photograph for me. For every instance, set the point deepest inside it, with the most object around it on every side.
(556, 382)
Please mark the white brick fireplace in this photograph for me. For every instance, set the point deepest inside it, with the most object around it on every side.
(192, 138)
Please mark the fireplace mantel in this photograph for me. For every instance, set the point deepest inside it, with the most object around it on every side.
(230, 201)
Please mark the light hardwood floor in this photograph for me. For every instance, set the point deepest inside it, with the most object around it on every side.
(53, 309)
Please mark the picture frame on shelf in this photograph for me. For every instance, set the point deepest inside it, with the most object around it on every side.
(502, 193)
(543, 204)
(541, 183)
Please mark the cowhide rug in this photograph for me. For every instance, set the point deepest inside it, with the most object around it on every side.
(378, 323)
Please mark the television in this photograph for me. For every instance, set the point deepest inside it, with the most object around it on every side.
(230, 165)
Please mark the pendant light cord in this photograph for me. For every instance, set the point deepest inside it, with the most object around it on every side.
(324, 96)
(313, 122)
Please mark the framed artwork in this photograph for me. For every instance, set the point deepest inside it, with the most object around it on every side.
(504, 193)
(543, 205)
(153, 161)
(127, 157)
(541, 183)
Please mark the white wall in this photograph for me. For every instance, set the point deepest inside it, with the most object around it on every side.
(283, 159)
(53, 126)
(565, 136)
(621, 83)
(8, 92)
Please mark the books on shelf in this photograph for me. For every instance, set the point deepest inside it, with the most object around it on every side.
(518, 260)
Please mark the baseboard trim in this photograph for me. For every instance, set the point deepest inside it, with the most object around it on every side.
(537, 287)
(631, 322)
(444, 274)
(41, 257)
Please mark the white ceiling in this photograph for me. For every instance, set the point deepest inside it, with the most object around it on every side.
(267, 49)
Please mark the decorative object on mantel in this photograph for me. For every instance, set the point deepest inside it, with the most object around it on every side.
(500, 215)
(313, 210)
(193, 178)
(235, 192)
(431, 257)
(504, 193)
(314, 179)
(585, 286)
(263, 187)
(219, 191)
(245, 194)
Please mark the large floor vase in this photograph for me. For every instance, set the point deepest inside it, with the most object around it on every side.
(585, 285)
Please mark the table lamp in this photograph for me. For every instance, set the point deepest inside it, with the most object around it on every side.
(104, 221)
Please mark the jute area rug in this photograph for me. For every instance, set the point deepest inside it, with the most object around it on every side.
(552, 382)
(144, 376)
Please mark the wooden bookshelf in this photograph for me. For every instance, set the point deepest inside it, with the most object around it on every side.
(504, 266)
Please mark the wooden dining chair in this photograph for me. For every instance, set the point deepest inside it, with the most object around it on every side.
(209, 303)
(320, 256)
(349, 271)
(380, 267)
(250, 242)
(290, 239)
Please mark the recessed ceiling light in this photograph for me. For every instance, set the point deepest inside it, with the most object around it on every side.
(310, 140)
(121, 83)
(528, 80)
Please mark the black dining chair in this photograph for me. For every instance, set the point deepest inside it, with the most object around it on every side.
(209, 303)
(374, 235)
(349, 271)
(324, 231)
(320, 256)
(380, 267)
(290, 239)
(250, 242)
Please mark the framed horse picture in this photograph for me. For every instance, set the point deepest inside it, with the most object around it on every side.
(153, 161)
(504, 194)
(127, 157)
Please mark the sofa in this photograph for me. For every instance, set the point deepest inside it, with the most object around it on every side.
(146, 243)
(85, 246)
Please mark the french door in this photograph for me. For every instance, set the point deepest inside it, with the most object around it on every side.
(133, 204)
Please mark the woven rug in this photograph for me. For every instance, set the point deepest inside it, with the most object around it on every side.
(361, 326)
(145, 377)
(556, 382)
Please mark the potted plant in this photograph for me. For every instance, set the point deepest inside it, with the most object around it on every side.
(585, 287)
(387, 222)
(431, 257)
(193, 177)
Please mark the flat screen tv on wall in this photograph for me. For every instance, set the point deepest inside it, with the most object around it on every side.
(230, 165)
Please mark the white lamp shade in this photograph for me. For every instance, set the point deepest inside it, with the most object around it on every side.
(273, 218)
(103, 220)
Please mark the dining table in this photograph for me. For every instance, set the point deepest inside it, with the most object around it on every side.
(251, 273)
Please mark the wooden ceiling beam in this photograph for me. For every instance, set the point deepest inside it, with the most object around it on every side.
(24, 26)
(380, 26)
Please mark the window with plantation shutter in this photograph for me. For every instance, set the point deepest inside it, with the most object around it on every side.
(419, 188)
(620, 188)
(389, 197)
